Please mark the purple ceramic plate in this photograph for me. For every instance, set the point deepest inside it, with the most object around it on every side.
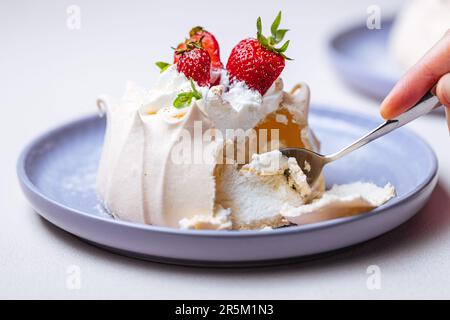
(57, 173)
(360, 56)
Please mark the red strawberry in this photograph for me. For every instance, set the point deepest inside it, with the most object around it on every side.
(207, 42)
(255, 65)
(181, 47)
(256, 61)
(195, 64)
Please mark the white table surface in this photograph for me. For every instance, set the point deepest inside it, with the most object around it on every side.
(49, 74)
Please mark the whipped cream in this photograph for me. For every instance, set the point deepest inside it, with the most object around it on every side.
(169, 84)
(240, 107)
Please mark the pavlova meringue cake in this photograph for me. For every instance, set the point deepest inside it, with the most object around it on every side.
(418, 26)
(200, 150)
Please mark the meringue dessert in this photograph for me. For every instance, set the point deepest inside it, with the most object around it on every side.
(200, 150)
(418, 26)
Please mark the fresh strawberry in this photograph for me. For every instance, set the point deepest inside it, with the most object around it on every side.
(207, 42)
(253, 64)
(195, 63)
(180, 48)
(256, 61)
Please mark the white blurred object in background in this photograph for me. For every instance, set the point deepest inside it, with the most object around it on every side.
(418, 26)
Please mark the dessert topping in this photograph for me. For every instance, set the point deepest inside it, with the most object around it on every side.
(184, 99)
(258, 62)
(195, 63)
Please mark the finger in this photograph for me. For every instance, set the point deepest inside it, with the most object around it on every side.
(443, 93)
(443, 90)
(418, 80)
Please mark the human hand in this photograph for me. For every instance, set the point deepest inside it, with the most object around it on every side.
(433, 68)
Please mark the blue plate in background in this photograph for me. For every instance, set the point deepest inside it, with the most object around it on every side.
(361, 57)
(57, 173)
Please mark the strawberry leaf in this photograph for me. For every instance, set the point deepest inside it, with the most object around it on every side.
(277, 35)
(284, 47)
(259, 26)
(275, 25)
(264, 41)
(194, 31)
(280, 35)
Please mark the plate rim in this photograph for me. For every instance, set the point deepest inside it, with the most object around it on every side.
(336, 54)
(344, 66)
(26, 183)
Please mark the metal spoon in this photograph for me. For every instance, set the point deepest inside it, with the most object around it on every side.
(313, 163)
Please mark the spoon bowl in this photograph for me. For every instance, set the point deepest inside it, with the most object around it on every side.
(311, 162)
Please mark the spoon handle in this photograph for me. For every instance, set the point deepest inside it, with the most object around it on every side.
(427, 103)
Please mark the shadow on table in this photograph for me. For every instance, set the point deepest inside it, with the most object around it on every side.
(429, 223)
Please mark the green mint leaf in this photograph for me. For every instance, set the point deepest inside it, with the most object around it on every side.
(275, 25)
(195, 93)
(184, 99)
(162, 65)
(194, 89)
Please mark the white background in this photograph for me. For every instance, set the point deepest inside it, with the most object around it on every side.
(49, 74)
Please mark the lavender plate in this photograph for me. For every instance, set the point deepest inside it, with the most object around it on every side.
(361, 57)
(57, 173)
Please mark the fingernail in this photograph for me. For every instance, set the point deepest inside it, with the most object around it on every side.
(384, 110)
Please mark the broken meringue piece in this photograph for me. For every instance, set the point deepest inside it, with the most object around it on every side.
(258, 191)
(220, 220)
(340, 201)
